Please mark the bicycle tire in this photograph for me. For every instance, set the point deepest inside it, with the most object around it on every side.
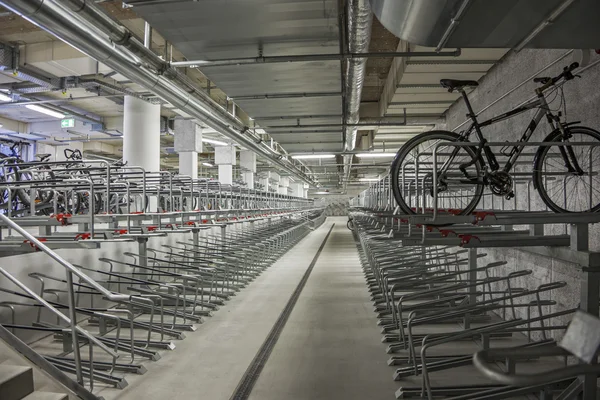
(412, 144)
(539, 171)
(21, 194)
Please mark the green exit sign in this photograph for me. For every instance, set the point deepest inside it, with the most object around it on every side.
(67, 123)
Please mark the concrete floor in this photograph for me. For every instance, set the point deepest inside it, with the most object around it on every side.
(329, 349)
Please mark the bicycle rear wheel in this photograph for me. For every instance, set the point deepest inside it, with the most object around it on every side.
(412, 174)
(561, 189)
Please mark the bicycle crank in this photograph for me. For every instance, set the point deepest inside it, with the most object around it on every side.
(501, 184)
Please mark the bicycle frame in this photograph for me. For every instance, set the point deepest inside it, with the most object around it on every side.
(542, 110)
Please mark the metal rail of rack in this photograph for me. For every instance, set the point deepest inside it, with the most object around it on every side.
(134, 305)
(430, 290)
(139, 303)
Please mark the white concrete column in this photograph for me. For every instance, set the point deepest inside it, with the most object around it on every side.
(297, 189)
(305, 194)
(226, 174)
(274, 181)
(248, 166)
(284, 184)
(225, 159)
(188, 143)
(188, 164)
(265, 183)
(141, 134)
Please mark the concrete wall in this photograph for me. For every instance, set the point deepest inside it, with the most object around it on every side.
(583, 102)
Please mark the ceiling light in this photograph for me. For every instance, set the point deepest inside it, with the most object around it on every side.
(375, 155)
(44, 110)
(207, 164)
(4, 97)
(260, 131)
(312, 156)
(215, 142)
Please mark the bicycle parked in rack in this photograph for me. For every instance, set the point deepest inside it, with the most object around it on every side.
(562, 174)
(12, 171)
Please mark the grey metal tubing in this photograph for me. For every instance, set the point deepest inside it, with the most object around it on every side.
(60, 20)
(481, 360)
(69, 320)
(505, 95)
(40, 245)
(454, 22)
(487, 144)
(311, 57)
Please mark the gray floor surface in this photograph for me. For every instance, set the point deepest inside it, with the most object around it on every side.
(329, 349)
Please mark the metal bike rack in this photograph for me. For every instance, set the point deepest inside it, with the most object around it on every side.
(139, 304)
(432, 292)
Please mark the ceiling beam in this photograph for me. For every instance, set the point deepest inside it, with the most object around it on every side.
(285, 96)
(282, 117)
(312, 57)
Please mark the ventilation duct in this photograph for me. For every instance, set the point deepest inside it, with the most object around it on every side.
(360, 19)
(492, 23)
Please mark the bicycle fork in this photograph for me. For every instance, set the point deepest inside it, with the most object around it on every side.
(568, 155)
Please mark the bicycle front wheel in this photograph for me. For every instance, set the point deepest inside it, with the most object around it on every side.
(412, 174)
(567, 177)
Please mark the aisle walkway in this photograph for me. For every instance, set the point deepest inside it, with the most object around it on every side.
(331, 347)
(209, 363)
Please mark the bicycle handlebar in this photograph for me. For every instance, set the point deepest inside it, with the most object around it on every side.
(567, 74)
(73, 154)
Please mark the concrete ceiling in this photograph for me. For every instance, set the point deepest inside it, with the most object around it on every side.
(393, 87)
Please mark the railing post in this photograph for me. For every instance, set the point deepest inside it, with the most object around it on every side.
(74, 334)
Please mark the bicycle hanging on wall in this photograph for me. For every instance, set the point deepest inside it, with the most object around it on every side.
(562, 167)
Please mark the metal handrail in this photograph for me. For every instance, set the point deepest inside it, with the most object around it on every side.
(71, 270)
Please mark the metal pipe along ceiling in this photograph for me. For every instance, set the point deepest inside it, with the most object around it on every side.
(65, 22)
(360, 19)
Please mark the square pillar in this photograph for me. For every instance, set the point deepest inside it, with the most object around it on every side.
(225, 159)
(273, 181)
(188, 164)
(297, 189)
(188, 143)
(248, 167)
(284, 183)
(226, 174)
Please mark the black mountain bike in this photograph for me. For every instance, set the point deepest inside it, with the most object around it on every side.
(563, 170)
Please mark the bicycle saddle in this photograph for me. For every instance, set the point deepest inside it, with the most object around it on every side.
(43, 155)
(452, 84)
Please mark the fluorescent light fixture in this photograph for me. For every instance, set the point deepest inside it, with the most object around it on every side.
(260, 131)
(369, 180)
(215, 142)
(375, 155)
(4, 97)
(44, 110)
(322, 193)
(207, 164)
(312, 156)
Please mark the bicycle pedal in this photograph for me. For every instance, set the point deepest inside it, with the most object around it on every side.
(509, 196)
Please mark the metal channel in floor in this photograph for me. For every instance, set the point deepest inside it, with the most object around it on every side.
(330, 347)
